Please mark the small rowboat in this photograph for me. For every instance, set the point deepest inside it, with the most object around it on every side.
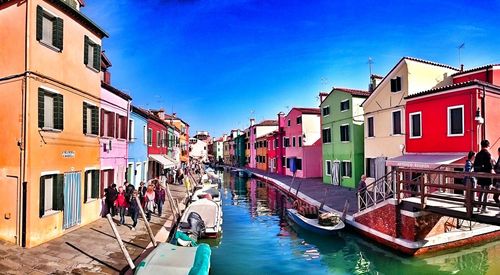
(312, 224)
(211, 214)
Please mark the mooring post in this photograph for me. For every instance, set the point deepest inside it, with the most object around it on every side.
(146, 222)
(120, 242)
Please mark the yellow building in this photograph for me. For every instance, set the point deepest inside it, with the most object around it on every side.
(50, 86)
(385, 108)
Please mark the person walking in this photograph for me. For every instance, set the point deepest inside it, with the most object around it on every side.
(133, 209)
(362, 192)
(110, 195)
(467, 169)
(482, 163)
(160, 198)
(496, 169)
(149, 202)
(142, 191)
(129, 189)
(121, 204)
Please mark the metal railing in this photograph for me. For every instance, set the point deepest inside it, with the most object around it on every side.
(376, 192)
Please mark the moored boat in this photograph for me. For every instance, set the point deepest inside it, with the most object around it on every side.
(312, 224)
(211, 214)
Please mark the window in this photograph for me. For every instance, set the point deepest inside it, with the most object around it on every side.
(91, 54)
(298, 164)
(328, 167)
(145, 133)
(288, 163)
(131, 130)
(344, 105)
(107, 123)
(121, 127)
(51, 193)
(90, 119)
(327, 135)
(150, 137)
(371, 132)
(158, 139)
(255, 130)
(299, 120)
(49, 29)
(300, 141)
(456, 120)
(293, 142)
(396, 84)
(326, 110)
(286, 141)
(276, 143)
(396, 123)
(346, 169)
(107, 178)
(344, 133)
(416, 125)
(283, 161)
(91, 190)
(50, 110)
(288, 123)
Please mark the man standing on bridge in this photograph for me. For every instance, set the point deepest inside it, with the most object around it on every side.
(482, 163)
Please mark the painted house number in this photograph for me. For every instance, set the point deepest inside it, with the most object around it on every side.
(68, 154)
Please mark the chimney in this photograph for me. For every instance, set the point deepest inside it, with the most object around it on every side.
(224, 137)
(281, 120)
(174, 115)
(461, 67)
(161, 114)
(252, 121)
(107, 77)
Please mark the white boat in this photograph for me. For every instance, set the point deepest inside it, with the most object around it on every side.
(205, 190)
(211, 214)
(313, 224)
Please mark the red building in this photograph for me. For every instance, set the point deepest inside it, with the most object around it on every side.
(157, 146)
(276, 150)
(443, 124)
(272, 146)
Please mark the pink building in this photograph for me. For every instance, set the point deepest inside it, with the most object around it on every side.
(115, 106)
(258, 130)
(302, 142)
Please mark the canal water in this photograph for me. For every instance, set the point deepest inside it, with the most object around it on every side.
(257, 239)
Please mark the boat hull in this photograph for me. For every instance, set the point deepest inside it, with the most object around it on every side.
(308, 225)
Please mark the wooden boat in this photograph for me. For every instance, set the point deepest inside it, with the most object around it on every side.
(211, 214)
(312, 224)
(176, 260)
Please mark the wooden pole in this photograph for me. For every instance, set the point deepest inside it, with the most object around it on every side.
(120, 242)
(148, 227)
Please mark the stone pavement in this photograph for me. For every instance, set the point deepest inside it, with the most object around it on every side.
(91, 249)
(314, 188)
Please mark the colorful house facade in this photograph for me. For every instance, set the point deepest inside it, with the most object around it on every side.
(48, 157)
(240, 149)
(183, 137)
(384, 109)
(259, 130)
(342, 136)
(272, 142)
(261, 148)
(138, 147)
(302, 142)
(157, 148)
(225, 153)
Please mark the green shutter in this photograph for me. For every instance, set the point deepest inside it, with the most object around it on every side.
(97, 57)
(58, 192)
(42, 197)
(85, 183)
(58, 112)
(86, 50)
(39, 23)
(85, 118)
(58, 31)
(41, 109)
(95, 120)
(95, 184)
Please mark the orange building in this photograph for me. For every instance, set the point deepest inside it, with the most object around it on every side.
(261, 158)
(183, 137)
(50, 88)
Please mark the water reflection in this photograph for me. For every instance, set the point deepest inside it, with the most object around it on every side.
(259, 240)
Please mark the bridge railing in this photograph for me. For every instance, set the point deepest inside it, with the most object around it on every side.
(426, 183)
(376, 192)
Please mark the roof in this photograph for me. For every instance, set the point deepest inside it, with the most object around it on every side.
(140, 111)
(377, 76)
(354, 92)
(453, 86)
(82, 18)
(476, 69)
(105, 62)
(82, 3)
(412, 59)
(172, 117)
(115, 91)
(268, 122)
(312, 111)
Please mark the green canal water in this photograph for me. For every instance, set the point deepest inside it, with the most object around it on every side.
(257, 239)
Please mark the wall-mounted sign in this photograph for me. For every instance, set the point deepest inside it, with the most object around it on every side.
(68, 154)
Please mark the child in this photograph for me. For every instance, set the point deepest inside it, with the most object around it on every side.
(121, 204)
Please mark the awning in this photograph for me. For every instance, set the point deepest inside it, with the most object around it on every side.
(162, 159)
(424, 161)
(175, 162)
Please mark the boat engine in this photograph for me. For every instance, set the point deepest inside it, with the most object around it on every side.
(194, 227)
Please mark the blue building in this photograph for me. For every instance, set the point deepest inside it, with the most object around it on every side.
(137, 147)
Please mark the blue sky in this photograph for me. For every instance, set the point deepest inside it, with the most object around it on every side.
(218, 63)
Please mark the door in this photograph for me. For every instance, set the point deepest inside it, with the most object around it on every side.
(72, 199)
(8, 209)
(336, 172)
(138, 174)
(380, 169)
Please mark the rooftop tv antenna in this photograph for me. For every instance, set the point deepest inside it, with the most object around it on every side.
(459, 53)
(370, 63)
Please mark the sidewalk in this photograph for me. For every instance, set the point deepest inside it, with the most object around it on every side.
(314, 188)
(91, 249)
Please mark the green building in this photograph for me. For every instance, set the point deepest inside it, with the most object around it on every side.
(343, 136)
(240, 146)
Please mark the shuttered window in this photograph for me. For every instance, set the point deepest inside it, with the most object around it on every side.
(90, 119)
(49, 29)
(107, 123)
(91, 54)
(51, 194)
(150, 137)
(50, 110)
(91, 190)
(121, 127)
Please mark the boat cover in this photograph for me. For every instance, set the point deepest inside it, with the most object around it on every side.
(175, 260)
(208, 210)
